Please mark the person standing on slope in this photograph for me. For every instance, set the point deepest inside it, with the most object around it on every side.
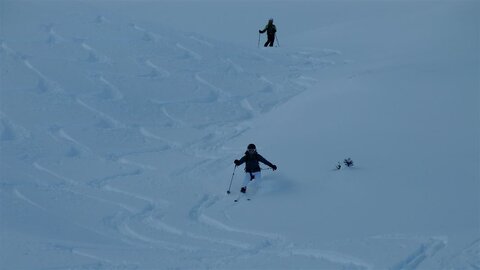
(271, 29)
(252, 166)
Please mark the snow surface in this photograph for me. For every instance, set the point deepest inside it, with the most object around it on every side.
(120, 121)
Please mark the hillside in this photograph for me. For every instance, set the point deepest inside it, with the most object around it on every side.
(120, 121)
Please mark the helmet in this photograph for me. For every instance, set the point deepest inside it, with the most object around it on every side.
(252, 146)
(270, 20)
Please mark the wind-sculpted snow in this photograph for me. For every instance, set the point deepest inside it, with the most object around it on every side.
(118, 135)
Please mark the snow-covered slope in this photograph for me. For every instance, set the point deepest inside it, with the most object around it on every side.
(120, 121)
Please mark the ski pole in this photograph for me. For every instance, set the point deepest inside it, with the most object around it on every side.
(258, 44)
(231, 180)
(278, 43)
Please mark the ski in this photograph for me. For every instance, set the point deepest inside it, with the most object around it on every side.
(237, 200)
(242, 196)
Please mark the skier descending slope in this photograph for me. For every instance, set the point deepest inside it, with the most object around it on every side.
(252, 166)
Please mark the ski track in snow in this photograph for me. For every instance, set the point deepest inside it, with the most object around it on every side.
(155, 71)
(133, 213)
(271, 244)
(110, 91)
(165, 228)
(203, 42)
(93, 55)
(334, 257)
(151, 205)
(86, 252)
(29, 201)
(249, 108)
(149, 135)
(114, 123)
(60, 134)
(137, 164)
(197, 214)
(422, 253)
(221, 95)
(7, 50)
(101, 19)
(11, 131)
(91, 256)
(175, 122)
(235, 66)
(104, 181)
(74, 185)
(67, 180)
(466, 258)
(190, 53)
(146, 218)
(147, 35)
(53, 38)
(125, 229)
(44, 84)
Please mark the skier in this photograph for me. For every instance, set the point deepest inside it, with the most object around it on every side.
(252, 167)
(271, 30)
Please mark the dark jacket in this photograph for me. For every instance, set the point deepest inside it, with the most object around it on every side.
(251, 162)
(270, 28)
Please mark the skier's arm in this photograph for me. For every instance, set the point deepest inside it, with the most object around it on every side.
(266, 162)
(239, 162)
(263, 31)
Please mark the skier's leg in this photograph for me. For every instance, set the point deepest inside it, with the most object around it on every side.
(258, 176)
(246, 179)
(245, 182)
(249, 177)
(270, 41)
(255, 178)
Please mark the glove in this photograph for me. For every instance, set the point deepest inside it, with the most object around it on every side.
(237, 162)
(260, 31)
(274, 167)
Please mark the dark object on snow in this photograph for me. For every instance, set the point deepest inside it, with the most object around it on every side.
(271, 29)
(338, 167)
(348, 162)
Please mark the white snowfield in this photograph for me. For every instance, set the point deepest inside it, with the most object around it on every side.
(120, 121)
